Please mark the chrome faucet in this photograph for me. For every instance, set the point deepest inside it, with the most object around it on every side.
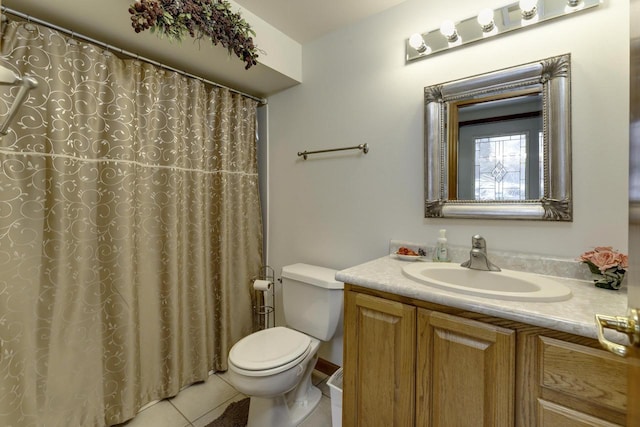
(478, 256)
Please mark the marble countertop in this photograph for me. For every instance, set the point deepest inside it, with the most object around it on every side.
(575, 316)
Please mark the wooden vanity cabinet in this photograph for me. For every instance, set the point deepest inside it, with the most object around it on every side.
(406, 366)
(381, 376)
(413, 363)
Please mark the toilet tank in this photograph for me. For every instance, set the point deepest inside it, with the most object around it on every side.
(311, 299)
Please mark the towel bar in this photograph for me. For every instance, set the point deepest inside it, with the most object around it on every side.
(363, 147)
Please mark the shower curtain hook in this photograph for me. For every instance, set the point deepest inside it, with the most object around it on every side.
(72, 39)
(29, 26)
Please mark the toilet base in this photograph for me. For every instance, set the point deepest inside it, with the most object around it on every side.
(275, 411)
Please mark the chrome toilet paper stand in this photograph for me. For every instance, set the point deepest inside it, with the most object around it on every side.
(264, 305)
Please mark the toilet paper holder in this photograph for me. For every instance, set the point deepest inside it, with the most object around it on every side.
(263, 286)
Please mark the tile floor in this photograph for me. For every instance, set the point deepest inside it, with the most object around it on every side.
(200, 404)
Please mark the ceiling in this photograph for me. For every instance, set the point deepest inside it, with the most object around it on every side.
(109, 22)
(306, 20)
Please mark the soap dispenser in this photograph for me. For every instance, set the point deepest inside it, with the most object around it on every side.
(441, 253)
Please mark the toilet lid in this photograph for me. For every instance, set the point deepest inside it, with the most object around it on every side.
(269, 348)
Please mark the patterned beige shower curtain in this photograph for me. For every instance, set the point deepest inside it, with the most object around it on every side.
(130, 229)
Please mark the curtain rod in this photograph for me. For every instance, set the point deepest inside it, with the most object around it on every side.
(73, 34)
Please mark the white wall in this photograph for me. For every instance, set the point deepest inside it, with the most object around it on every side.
(341, 210)
(280, 51)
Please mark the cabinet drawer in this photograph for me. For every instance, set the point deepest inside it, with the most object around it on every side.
(591, 375)
(552, 415)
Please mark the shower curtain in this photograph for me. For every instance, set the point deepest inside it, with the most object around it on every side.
(130, 229)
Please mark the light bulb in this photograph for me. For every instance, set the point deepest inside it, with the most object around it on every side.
(573, 6)
(528, 8)
(485, 19)
(417, 42)
(448, 29)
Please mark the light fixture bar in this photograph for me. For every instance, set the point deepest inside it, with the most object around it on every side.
(486, 24)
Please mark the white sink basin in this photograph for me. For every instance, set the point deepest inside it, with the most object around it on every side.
(505, 285)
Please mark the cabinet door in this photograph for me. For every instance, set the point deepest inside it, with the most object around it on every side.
(465, 372)
(379, 362)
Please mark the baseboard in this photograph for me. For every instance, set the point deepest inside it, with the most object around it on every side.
(326, 367)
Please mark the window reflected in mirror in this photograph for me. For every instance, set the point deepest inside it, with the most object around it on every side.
(496, 149)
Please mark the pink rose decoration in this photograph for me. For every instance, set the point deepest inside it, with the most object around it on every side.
(609, 266)
(604, 258)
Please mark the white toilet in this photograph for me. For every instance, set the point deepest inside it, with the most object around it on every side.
(274, 366)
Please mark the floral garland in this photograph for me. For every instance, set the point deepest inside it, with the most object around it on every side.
(212, 19)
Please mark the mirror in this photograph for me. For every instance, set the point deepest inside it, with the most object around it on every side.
(498, 145)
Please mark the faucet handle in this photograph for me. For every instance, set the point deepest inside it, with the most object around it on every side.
(478, 242)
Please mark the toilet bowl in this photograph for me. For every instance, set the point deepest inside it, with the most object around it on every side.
(274, 366)
(288, 371)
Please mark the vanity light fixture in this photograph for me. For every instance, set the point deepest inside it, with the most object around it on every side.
(417, 42)
(514, 16)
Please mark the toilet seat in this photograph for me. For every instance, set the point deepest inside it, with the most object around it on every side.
(269, 351)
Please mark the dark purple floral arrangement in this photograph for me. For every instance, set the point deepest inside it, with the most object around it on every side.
(212, 19)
